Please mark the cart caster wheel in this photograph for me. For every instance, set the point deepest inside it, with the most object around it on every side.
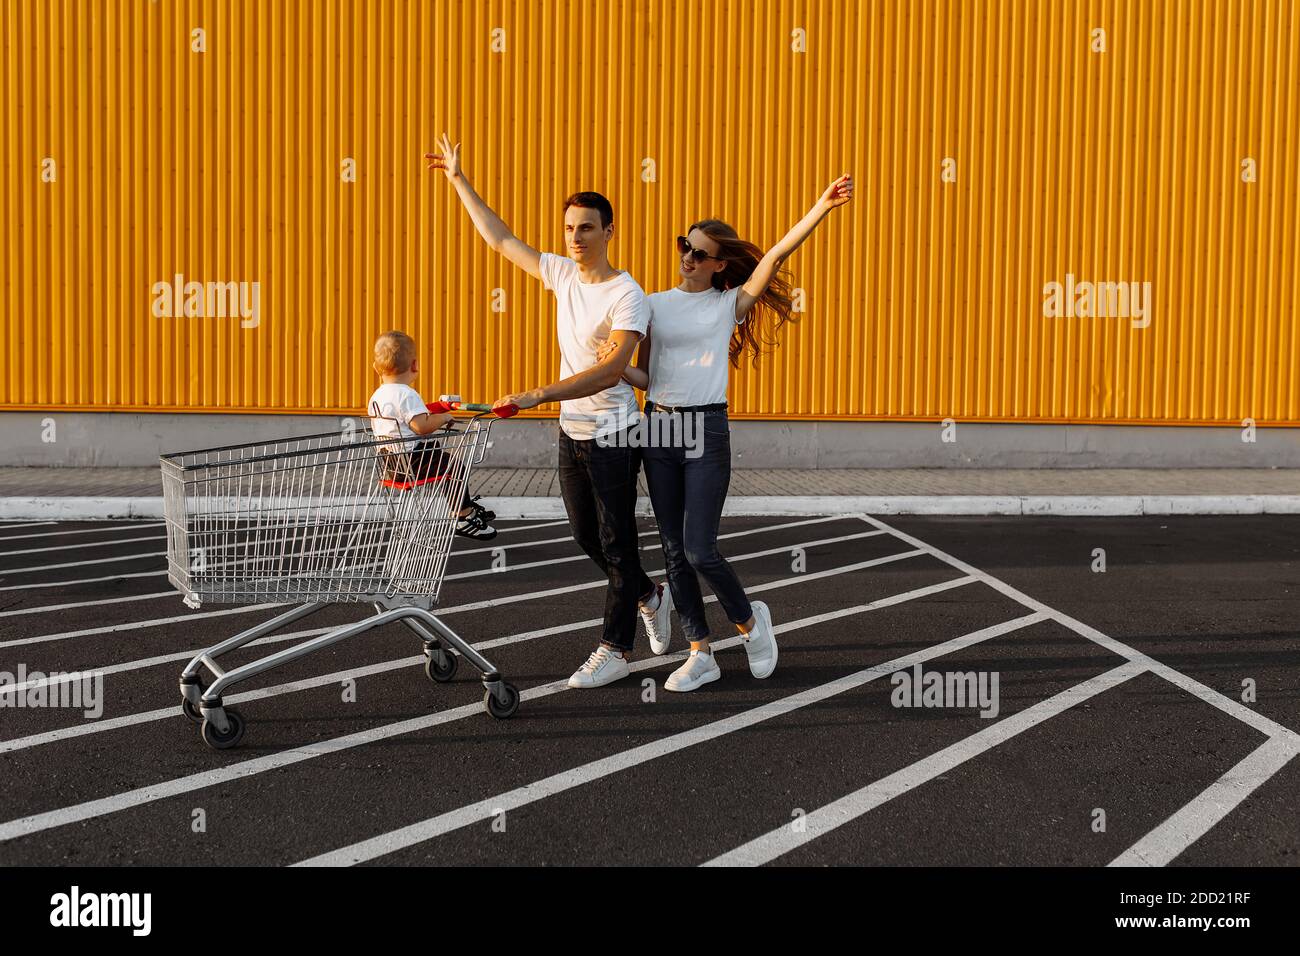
(191, 708)
(219, 741)
(499, 710)
(444, 673)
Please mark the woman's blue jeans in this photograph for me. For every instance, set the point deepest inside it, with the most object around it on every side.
(687, 491)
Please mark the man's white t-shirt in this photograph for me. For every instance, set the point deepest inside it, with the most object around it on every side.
(397, 404)
(586, 314)
(690, 334)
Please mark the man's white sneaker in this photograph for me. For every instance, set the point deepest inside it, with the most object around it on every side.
(760, 642)
(700, 668)
(602, 667)
(659, 620)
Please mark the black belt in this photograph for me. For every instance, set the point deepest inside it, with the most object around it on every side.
(676, 409)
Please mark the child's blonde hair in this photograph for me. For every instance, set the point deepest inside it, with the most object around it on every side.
(394, 353)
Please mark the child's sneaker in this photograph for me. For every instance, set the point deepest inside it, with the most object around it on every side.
(474, 525)
(479, 510)
(700, 669)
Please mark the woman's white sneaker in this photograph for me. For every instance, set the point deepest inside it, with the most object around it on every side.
(700, 668)
(602, 667)
(658, 620)
(760, 642)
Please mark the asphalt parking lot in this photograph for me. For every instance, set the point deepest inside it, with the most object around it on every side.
(1148, 714)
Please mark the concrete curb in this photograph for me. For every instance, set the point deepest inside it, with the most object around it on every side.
(91, 509)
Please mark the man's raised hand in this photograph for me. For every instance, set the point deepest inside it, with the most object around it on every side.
(446, 158)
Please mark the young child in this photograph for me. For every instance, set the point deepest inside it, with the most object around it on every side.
(404, 415)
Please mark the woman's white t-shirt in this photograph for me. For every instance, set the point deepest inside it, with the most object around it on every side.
(690, 334)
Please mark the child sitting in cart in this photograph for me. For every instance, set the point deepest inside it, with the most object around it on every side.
(398, 412)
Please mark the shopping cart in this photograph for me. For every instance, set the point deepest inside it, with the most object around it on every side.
(341, 517)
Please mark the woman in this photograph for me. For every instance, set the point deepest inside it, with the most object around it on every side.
(730, 299)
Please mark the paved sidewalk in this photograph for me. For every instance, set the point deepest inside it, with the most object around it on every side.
(858, 482)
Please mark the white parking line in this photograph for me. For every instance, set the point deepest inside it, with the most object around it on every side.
(136, 625)
(1160, 846)
(8, 689)
(530, 527)
(114, 723)
(1163, 844)
(62, 584)
(45, 608)
(79, 564)
(8, 526)
(823, 820)
(526, 544)
(615, 763)
(146, 662)
(783, 549)
(163, 594)
(244, 609)
(642, 534)
(1264, 725)
(1265, 761)
(522, 544)
(60, 534)
(163, 554)
(142, 554)
(81, 546)
(173, 712)
(91, 809)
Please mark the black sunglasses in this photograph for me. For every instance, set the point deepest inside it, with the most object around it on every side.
(684, 247)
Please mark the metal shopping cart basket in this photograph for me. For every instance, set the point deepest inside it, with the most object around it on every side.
(331, 518)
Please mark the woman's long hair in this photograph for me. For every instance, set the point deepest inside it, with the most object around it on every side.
(773, 308)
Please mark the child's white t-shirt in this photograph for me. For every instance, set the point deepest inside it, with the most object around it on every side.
(586, 314)
(397, 404)
(690, 334)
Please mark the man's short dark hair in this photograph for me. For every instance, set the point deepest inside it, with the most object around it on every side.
(590, 200)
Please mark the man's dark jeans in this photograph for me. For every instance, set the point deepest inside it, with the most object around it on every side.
(688, 494)
(598, 482)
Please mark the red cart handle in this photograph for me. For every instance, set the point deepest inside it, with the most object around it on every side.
(502, 411)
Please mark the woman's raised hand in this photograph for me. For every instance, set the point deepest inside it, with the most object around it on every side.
(838, 192)
(447, 157)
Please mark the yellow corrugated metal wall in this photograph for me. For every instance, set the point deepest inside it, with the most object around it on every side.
(129, 158)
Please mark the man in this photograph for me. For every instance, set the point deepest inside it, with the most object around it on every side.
(598, 465)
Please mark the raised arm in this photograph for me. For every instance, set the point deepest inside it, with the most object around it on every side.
(836, 194)
(489, 225)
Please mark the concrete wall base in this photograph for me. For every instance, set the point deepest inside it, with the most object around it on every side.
(92, 509)
(124, 439)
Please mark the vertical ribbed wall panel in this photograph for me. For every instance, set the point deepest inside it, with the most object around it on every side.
(925, 297)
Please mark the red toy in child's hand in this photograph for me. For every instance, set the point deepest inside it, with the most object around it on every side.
(506, 411)
(441, 408)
